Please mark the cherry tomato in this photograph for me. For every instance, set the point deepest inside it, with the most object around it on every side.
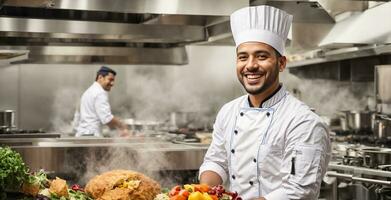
(77, 187)
(174, 191)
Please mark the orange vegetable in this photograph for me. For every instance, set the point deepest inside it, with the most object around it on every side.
(201, 187)
(178, 197)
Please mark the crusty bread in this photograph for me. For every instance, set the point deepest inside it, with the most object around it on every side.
(59, 187)
(30, 189)
(103, 187)
(117, 194)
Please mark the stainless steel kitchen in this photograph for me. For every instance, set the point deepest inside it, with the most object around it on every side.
(176, 68)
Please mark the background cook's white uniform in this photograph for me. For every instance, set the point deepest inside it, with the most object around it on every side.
(94, 111)
(252, 148)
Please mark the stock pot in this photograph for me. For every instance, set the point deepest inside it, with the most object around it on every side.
(375, 157)
(382, 127)
(358, 120)
(7, 120)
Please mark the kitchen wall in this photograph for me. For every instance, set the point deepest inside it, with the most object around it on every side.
(46, 96)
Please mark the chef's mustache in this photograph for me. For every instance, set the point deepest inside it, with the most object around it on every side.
(254, 70)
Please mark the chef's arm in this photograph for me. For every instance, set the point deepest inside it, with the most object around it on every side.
(210, 178)
(305, 161)
(120, 126)
(214, 169)
(116, 123)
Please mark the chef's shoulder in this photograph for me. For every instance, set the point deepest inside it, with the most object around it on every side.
(229, 109)
(304, 121)
(95, 91)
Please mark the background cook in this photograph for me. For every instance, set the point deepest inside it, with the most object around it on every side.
(95, 108)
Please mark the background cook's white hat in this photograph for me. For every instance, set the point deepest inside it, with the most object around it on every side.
(265, 24)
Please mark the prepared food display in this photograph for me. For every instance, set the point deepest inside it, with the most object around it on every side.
(198, 192)
(15, 177)
(122, 184)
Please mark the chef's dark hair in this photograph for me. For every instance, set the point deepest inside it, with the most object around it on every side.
(277, 53)
(104, 71)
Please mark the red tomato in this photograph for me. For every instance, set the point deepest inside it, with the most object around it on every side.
(174, 191)
(77, 187)
(184, 193)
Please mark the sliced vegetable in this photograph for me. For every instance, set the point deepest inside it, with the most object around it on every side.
(39, 178)
(162, 197)
(78, 195)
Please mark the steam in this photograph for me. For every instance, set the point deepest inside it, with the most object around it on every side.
(154, 94)
(328, 97)
(85, 163)
(64, 106)
(203, 86)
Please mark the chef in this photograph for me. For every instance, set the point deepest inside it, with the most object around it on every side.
(266, 144)
(95, 108)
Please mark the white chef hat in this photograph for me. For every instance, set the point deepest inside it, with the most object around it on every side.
(264, 24)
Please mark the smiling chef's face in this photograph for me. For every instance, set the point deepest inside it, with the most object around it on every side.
(107, 82)
(258, 66)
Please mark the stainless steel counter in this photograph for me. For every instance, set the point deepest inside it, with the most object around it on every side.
(87, 156)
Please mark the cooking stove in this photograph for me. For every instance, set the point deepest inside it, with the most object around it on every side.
(364, 137)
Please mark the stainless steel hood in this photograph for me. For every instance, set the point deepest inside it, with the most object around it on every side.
(337, 39)
(112, 55)
(110, 32)
(8, 56)
(354, 35)
(369, 27)
(330, 24)
(141, 27)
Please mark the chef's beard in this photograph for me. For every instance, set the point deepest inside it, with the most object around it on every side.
(107, 88)
(266, 85)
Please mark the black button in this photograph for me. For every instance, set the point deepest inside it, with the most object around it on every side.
(268, 114)
(236, 132)
(255, 160)
(233, 176)
(232, 150)
(241, 113)
(251, 183)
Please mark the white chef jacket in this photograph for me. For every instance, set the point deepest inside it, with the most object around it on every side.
(94, 111)
(279, 151)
